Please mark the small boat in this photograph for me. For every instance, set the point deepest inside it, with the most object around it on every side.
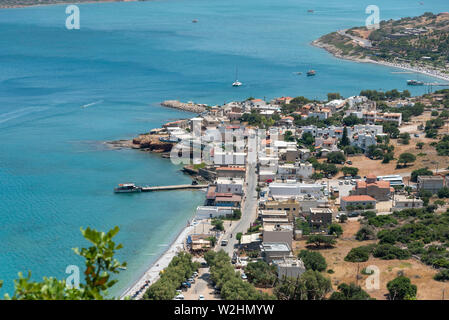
(127, 187)
(194, 20)
(236, 83)
(311, 73)
(310, 11)
(298, 73)
(415, 83)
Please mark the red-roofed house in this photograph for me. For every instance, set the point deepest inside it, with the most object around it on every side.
(362, 200)
(231, 172)
(379, 190)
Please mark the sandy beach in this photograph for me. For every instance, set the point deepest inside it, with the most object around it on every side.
(137, 290)
(426, 71)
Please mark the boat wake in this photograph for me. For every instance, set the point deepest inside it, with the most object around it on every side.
(5, 117)
(91, 104)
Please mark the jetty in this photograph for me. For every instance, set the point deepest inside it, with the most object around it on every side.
(175, 187)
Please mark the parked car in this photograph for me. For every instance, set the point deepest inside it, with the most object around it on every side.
(349, 162)
(417, 135)
(353, 214)
(179, 297)
(244, 277)
(195, 274)
(340, 183)
(191, 280)
(201, 297)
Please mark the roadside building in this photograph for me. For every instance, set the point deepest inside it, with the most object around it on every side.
(320, 218)
(229, 185)
(208, 212)
(290, 266)
(231, 172)
(291, 190)
(275, 232)
(378, 189)
(357, 200)
(402, 202)
(274, 251)
(430, 183)
(251, 241)
(199, 242)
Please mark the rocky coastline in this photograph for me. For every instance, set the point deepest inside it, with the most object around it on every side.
(144, 142)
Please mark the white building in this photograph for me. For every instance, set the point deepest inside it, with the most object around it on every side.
(208, 212)
(229, 158)
(229, 185)
(291, 190)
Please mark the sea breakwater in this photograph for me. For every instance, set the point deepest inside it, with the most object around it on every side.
(189, 106)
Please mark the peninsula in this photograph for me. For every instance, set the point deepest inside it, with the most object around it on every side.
(419, 44)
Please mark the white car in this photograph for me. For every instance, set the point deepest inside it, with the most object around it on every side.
(179, 297)
(244, 277)
(201, 297)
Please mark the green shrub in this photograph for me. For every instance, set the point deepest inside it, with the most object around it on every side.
(312, 260)
(390, 252)
(359, 254)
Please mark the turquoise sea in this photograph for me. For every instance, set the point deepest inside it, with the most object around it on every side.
(55, 173)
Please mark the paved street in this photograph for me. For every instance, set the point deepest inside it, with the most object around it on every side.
(249, 213)
(202, 286)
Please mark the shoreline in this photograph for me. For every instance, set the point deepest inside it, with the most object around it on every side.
(151, 274)
(335, 52)
(64, 3)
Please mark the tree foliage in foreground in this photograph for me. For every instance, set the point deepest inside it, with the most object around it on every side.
(100, 265)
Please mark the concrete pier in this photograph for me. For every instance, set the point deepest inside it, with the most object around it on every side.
(176, 187)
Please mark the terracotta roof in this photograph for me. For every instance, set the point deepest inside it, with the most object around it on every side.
(371, 176)
(361, 184)
(230, 169)
(357, 198)
(383, 184)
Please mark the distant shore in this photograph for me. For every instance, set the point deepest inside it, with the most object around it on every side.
(405, 66)
(6, 6)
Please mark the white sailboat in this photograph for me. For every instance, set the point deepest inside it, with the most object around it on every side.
(236, 82)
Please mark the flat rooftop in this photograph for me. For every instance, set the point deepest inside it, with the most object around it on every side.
(275, 246)
(280, 213)
(277, 227)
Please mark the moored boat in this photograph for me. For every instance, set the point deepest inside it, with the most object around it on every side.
(415, 83)
(127, 187)
(311, 73)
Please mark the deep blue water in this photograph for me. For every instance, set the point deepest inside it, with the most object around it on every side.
(55, 173)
